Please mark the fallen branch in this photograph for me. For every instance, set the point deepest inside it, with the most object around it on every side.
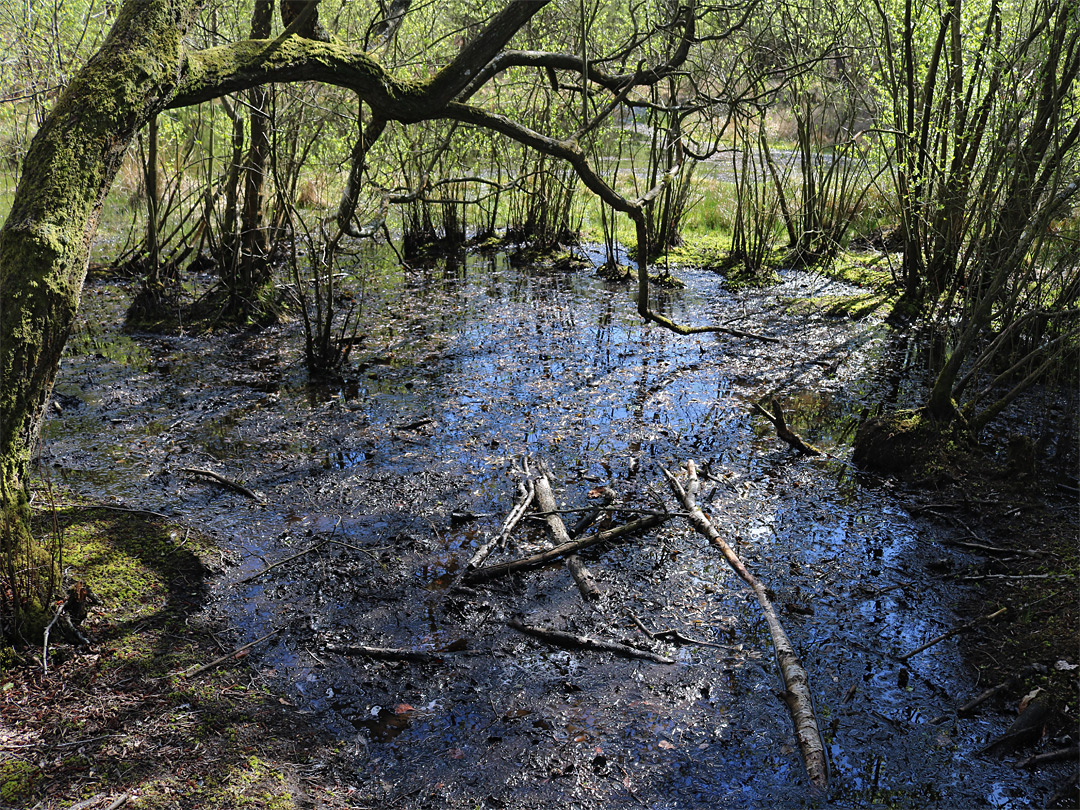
(230, 655)
(783, 431)
(560, 639)
(1067, 787)
(119, 801)
(548, 555)
(994, 549)
(607, 496)
(1008, 683)
(950, 633)
(526, 493)
(797, 694)
(545, 498)
(969, 707)
(382, 653)
(1072, 752)
(225, 482)
(673, 636)
(45, 644)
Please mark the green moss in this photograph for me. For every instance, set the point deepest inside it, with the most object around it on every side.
(863, 270)
(17, 780)
(855, 307)
(912, 446)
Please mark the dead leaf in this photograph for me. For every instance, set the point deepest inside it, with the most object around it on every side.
(1030, 696)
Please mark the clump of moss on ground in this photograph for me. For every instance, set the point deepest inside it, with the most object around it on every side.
(218, 740)
(855, 307)
(912, 446)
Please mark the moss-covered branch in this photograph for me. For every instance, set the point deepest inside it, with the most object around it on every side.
(237, 66)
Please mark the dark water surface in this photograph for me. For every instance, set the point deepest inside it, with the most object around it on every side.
(463, 369)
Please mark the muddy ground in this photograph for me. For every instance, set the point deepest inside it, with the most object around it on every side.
(386, 483)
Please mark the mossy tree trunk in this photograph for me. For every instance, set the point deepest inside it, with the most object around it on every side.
(45, 242)
(252, 270)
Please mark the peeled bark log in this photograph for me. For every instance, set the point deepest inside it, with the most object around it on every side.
(546, 499)
(797, 694)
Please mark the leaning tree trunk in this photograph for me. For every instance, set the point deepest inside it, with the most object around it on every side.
(44, 244)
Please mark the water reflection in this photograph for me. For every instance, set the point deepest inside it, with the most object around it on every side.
(466, 365)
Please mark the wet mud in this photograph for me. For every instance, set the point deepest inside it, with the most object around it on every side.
(394, 478)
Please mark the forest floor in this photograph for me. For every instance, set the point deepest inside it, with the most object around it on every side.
(131, 722)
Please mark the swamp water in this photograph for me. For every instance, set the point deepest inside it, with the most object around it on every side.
(407, 468)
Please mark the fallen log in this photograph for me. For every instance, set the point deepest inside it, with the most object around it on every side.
(541, 558)
(560, 639)
(797, 694)
(545, 498)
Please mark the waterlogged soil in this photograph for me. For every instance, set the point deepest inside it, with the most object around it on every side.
(384, 485)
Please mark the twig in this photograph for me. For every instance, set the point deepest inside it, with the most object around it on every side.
(1015, 576)
(674, 636)
(110, 507)
(272, 566)
(1072, 752)
(995, 549)
(546, 556)
(950, 633)
(561, 639)
(87, 802)
(986, 694)
(119, 801)
(382, 653)
(227, 656)
(1065, 788)
(225, 482)
(1051, 756)
(45, 644)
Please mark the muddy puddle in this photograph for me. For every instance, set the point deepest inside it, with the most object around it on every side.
(407, 468)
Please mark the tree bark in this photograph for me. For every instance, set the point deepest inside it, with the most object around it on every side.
(45, 242)
(254, 265)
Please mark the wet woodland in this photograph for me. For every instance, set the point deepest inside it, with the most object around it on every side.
(597, 404)
(344, 549)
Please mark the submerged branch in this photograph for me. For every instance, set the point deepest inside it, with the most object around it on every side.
(561, 639)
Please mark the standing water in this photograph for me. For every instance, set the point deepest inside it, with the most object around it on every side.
(409, 466)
